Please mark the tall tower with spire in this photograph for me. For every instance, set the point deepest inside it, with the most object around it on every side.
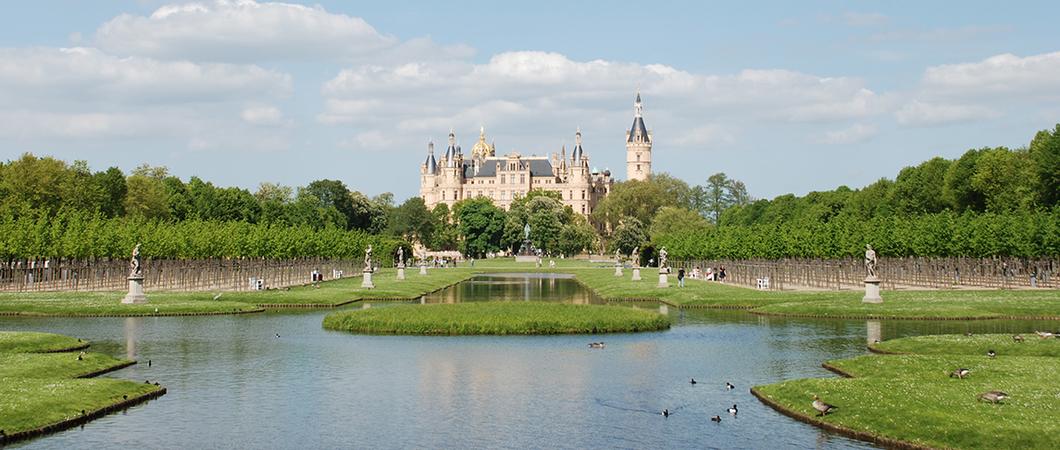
(638, 145)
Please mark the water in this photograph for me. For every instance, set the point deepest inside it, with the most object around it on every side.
(544, 287)
(233, 384)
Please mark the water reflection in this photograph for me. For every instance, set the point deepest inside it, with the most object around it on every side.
(132, 327)
(873, 333)
(544, 287)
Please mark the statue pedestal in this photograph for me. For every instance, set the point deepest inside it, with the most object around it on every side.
(401, 273)
(618, 271)
(526, 258)
(872, 291)
(636, 274)
(664, 281)
(423, 269)
(367, 283)
(136, 291)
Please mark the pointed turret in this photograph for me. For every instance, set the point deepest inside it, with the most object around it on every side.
(431, 163)
(638, 145)
(577, 154)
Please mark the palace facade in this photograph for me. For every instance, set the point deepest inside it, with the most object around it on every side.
(505, 178)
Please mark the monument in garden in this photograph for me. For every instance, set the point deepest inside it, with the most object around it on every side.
(367, 272)
(872, 278)
(664, 269)
(401, 263)
(526, 251)
(634, 256)
(423, 261)
(136, 279)
(618, 263)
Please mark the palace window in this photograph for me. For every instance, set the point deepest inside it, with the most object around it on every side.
(638, 156)
(583, 194)
(522, 179)
(638, 167)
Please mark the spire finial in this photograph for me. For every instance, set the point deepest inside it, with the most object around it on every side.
(637, 108)
(430, 146)
(482, 131)
(578, 137)
(452, 137)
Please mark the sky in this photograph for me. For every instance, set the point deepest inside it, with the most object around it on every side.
(788, 97)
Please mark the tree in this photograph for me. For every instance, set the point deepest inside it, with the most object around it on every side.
(633, 198)
(1007, 180)
(957, 187)
(147, 195)
(718, 196)
(629, 234)
(1045, 151)
(445, 236)
(671, 220)
(480, 224)
(111, 185)
(412, 221)
(334, 193)
(918, 190)
(576, 236)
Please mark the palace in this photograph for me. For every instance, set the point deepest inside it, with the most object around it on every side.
(506, 178)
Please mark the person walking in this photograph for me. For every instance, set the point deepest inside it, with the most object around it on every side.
(681, 277)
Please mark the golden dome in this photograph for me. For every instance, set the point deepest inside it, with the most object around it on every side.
(481, 148)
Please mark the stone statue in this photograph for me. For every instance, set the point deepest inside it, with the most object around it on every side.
(635, 256)
(662, 258)
(401, 256)
(618, 256)
(368, 258)
(870, 262)
(526, 232)
(136, 270)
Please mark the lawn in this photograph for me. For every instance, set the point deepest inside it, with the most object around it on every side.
(109, 304)
(497, 318)
(47, 391)
(911, 397)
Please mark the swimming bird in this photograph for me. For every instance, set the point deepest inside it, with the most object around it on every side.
(666, 413)
(218, 295)
(716, 419)
(960, 373)
(277, 334)
(1018, 338)
(693, 381)
(991, 353)
(992, 396)
(733, 410)
(149, 363)
(81, 356)
(822, 407)
(729, 386)
(1044, 334)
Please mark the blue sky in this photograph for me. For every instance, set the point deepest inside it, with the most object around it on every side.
(786, 96)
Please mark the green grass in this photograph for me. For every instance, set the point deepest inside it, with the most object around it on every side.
(964, 304)
(42, 389)
(32, 342)
(497, 318)
(978, 345)
(911, 397)
(109, 304)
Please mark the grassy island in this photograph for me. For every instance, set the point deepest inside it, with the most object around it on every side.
(43, 387)
(910, 400)
(496, 318)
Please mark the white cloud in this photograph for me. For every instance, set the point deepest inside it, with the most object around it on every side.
(859, 132)
(530, 83)
(860, 19)
(918, 113)
(240, 30)
(82, 74)
(705, 135)
(262, 115)
(1000, 74)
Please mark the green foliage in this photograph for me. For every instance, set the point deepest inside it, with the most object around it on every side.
(629, 234)
(76, 234)
(1045, 151)
(481, 224)
(412, 221)
(1029, 233)
(670, 220)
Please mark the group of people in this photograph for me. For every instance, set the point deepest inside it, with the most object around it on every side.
(709, 275)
